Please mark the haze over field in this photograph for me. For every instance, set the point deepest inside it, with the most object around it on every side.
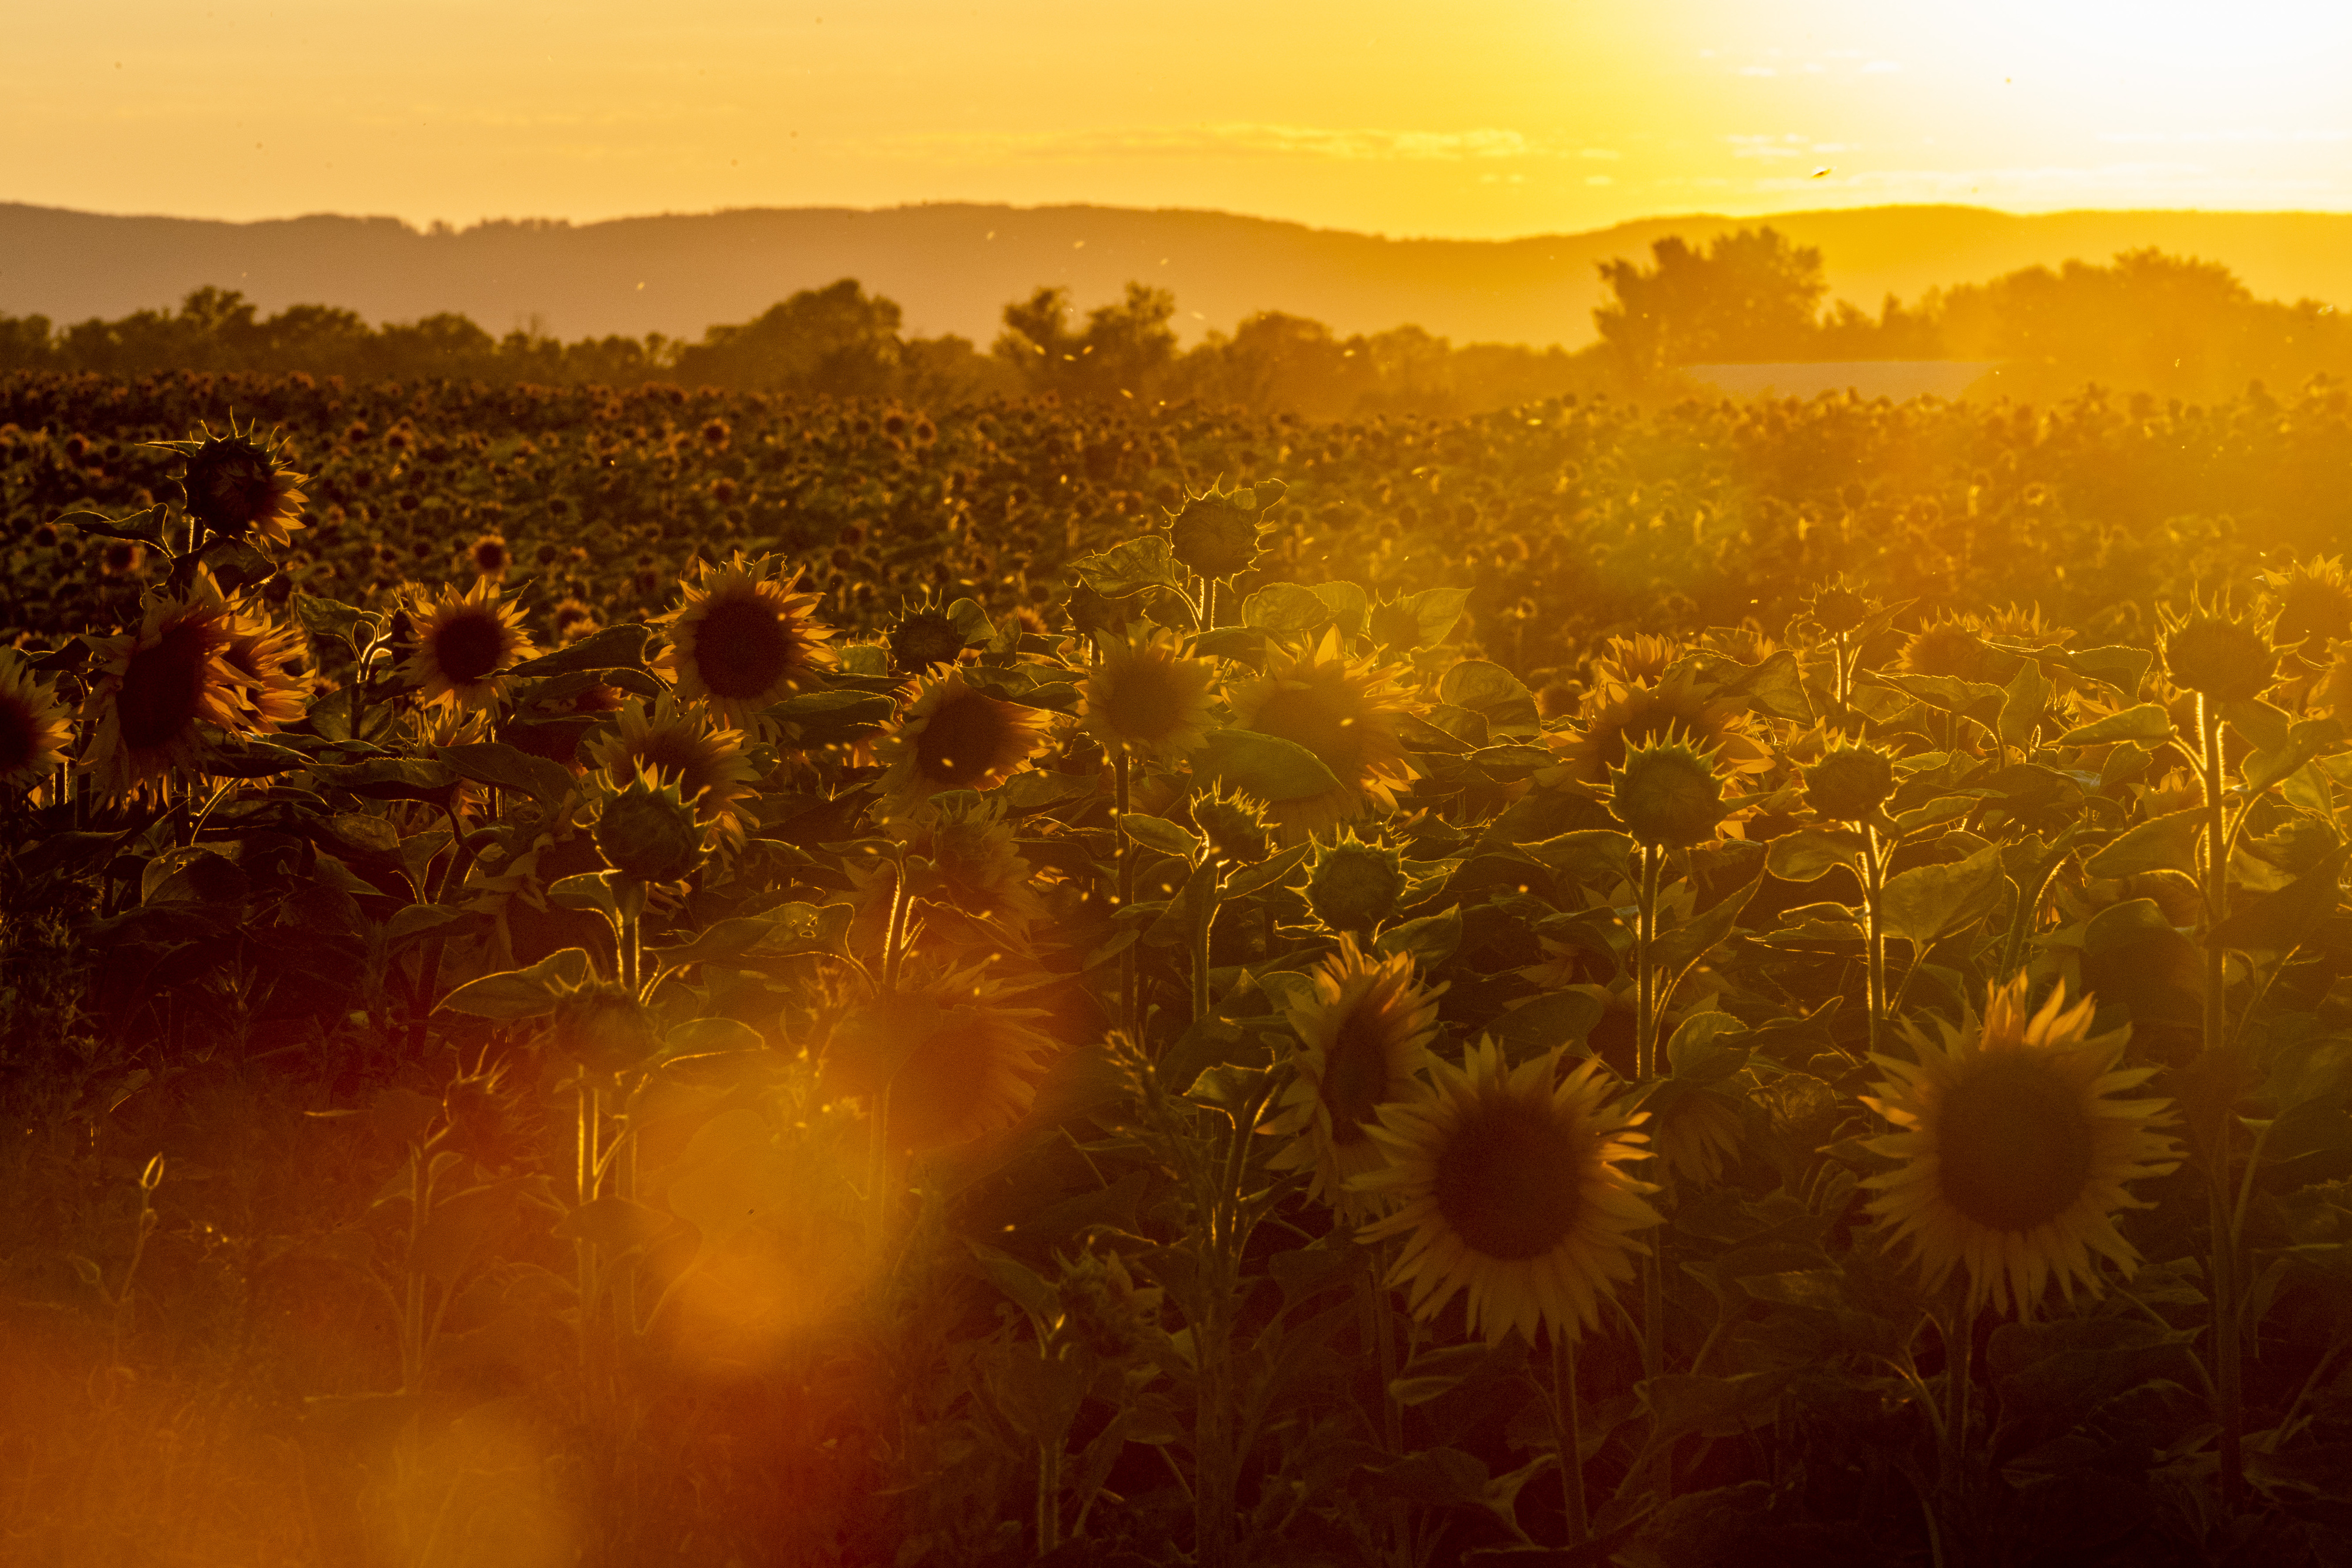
(952, 266)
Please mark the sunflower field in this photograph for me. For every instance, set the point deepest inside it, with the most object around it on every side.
(648, 977)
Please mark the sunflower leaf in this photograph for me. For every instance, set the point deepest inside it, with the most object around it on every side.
(2282, 921)
(1123, 569)
(614, 648)
(1267, 766)
(514, 994)
(510, 768)
(2162, 843)
(1495, 694)
(1286, 607)
(2148, 722)
(1347, 603)
(1160, 833)
(1436, 610)
(1809, 854)
(1931, 902)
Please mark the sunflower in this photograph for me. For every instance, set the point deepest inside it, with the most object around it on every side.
(744, 639)
(2222, 655)
(953, 737)
(1344, 711)
(1640, 659)
(1694, 1127)
(678, 746)
(1508, 1182)
(237, 488)
(1363, 1042)
(266, 658)
(1219, 534)
(35, 728)
(956, 1062)
(1143, 694)
(2013, 1156)
(157, 683)
(922, 637)
(2314, 603)
(1619, 717)
(969, 860)
(465, 642)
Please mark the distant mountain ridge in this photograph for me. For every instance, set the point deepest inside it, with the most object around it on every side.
(953, 265)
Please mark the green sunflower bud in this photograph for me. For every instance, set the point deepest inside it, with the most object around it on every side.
(1355, 887)
(1666, 794)
(2220, 655)
(1850, 782)
(1234, 826)
(649, 834)
(604, 1028)
(1217, 535)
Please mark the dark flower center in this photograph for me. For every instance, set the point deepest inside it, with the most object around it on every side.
(469, 646)
(1509, 1180)
(1356, 1072)
(163, 687)
(2012, 1144)
(742, 646)
(20, 737)
(1311, 717)
(231, 490)
(1146, 699)
(963, 741)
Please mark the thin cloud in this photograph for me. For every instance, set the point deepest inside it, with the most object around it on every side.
(1338, 144)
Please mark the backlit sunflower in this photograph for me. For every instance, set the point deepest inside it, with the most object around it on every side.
(267, 659)
(2314, 603)
(1694, 1127)
(744, 639)
(237, 488)
(953, 737)
(465, 641)
(957, 1063)
(1620, 717)
(1640, 659)
(1344, 711)
(35, 728)
(1508, 1183)
(2013, 1154)
(1953, 646)
(155, 685)
(1362, 1042)
(967, 859)
(1144, 693)
(678, 745)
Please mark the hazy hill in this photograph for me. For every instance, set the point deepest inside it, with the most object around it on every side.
(953, 265)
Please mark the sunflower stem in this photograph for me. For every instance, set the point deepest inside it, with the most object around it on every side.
(894, 931)
(2229, 1402)
(1569, 1436)
(1646, 1000)
(1201, 1002)
(1874, 902)
(1120, 775)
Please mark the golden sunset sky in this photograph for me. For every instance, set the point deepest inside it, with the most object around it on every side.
(1469, 118)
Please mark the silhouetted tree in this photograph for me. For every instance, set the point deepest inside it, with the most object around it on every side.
(837, 339)
(1126, 348)
(1747, 295)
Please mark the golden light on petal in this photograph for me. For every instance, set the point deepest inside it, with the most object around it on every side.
(955, 736)
(1362, 1042)
(157, 685)
(1144, 693)
(1619, 718)
(2014, 1153)
(235, 486)
(35, 728)
(744, 639)
(1344, 711)
(265, 657)
(465, 644)
(1508, 1185)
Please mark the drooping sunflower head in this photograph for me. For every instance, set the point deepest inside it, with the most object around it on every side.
(465, 644)
(2015, 1149)
(1344, 711)
(34, 727)
(1508, 1184)
(646, 829)
(2025, 623)
(1219, 534)
(1695, 1128)
(237, 488)
(950, 1061)
(1953, 646)
(1362, 1041)
(922, 637)
(678, 744)
(2313, 602)
(1666, 794)
(267, 660)
(2223, 656)
(745, 638)
(1836, 608)
(1234, 825)
(157, 684)
(953, 737)
(1143, 692)
(1850, 782)
(1355, 886)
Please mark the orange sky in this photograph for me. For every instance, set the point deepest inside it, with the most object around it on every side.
(1472, 117)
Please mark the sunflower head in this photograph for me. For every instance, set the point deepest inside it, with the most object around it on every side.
(1355, 886)
(1234, 825)
(2014, 1154)
(466, 644)
(1694, 1127)
(1641, 659)
(1953, 646)
(1836, 608)
(488, 555)
(922, 637)
(603, 1026)
(970, 859)
(35, 728)
(1219, 534)
(947, 1057)
(158, 684)
(680, 745)
(2220, 655)
(2314, 603)
(1508, 1183)
(1345, 712)
(267, 659)
(1142, 693)
(744, 639)
(1666, 794)
(236, 487)
(1619, 718)
(646, 831)
(1362, 1041)
(1850, 782)
(955, 736)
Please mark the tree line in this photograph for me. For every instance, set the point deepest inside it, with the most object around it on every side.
(2147, 322)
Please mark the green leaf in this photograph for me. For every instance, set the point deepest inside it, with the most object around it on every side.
(1279, 868)
(2282, 921)
(711, 1037)
(1436, 610)
(1021, 1285)
(1716, 1406)
(614, 1223)
(1680, 948)
(1347, 604)
(614, 648)
(1267, 766)
(2162, 843)
(1809, 854)
(494, 763)
(250, 758)
(144, 528)
(2020, 706)
(1595, 856)
(2147, 723)
(971, 620)
(324, 617)
(1431, 939)
(1160, 833)
(832, 718)
(513, 994)
(588, 890)
(2121, 668)
(2305, 740)
(1540, 1023)
(1287, 608)
(2268, 727)
(754, 941)
(1124, 568)
(1775, 688)
(1930, 902)
(1698, 1051)
(1495, 694)
(235, 564)
(1973, 699)
(388, 779)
